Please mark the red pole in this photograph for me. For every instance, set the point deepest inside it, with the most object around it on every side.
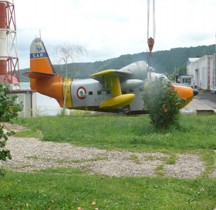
(9, 65)
(3, 40)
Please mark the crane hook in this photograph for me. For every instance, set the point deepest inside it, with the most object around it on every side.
(150, 45)
(151, 39)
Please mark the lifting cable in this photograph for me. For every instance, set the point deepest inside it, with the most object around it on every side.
(151, 37)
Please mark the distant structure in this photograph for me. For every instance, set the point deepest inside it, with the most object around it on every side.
(201, 72)
(9, 63)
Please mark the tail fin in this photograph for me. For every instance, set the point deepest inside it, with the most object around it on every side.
(43, 78)
(40, 65)
(39, 58)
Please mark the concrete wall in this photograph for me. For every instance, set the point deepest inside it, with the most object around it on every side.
(28, 100)
(202, 70)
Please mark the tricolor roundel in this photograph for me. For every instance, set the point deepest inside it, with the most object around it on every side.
(81, 93)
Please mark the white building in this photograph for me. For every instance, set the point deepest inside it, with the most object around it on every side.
(202, 72)
(26, 98)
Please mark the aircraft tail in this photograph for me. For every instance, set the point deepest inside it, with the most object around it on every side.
(39, 58)
(43, 78)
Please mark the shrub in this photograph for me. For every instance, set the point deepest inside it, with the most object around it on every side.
(162, 103)
(8, 110)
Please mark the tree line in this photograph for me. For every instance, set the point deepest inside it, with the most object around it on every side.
(163, 61)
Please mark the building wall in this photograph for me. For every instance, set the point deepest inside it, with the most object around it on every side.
(203, 71)
(28, 101)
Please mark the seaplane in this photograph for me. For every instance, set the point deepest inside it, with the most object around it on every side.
(110, 90)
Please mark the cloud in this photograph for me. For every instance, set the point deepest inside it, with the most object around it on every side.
(110, 28)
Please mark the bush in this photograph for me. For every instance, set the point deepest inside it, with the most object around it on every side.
(162, 102)
(8, 110)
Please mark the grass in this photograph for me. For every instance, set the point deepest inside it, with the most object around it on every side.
(194, 134)
(70, 189)
(130, 133)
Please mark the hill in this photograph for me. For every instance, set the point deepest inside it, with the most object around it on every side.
(163, 61)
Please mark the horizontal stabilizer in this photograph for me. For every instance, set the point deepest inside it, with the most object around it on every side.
(118, 101)
(38, 75)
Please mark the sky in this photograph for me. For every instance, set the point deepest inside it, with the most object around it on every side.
(110, 28)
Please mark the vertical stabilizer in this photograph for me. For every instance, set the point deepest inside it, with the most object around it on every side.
(43, 79)
(39, 59)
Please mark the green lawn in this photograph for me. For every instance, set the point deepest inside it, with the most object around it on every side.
(70, 188)
(130, 133)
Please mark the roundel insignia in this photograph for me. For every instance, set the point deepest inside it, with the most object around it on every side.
(81, 92)
(38, 47)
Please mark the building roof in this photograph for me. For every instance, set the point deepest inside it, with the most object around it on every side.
(193, 59)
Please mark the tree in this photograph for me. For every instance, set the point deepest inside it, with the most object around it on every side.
(162, 102)
(8, 110)
(68, 53)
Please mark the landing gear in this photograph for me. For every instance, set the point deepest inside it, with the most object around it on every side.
(124, 110)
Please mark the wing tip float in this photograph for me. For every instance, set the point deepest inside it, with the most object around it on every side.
(117, 101)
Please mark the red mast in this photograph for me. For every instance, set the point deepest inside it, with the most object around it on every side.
(9, 63)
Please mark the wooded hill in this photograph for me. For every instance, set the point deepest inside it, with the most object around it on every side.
(163, 61)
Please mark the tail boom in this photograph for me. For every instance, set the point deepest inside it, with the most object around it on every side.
(52, 87)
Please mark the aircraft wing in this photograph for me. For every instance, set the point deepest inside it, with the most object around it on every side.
(111, 77)
(109, 73)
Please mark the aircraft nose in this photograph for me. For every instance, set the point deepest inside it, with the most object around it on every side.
(195, 92)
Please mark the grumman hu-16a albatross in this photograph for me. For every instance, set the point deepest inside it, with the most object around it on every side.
(109, 90)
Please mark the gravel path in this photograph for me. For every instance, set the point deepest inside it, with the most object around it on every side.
(31, 154)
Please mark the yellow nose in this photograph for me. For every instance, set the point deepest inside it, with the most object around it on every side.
(186, 93)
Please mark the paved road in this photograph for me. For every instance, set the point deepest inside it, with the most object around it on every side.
(204, 95)
(204, 101)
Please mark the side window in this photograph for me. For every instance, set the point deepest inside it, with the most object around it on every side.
(90, 93)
